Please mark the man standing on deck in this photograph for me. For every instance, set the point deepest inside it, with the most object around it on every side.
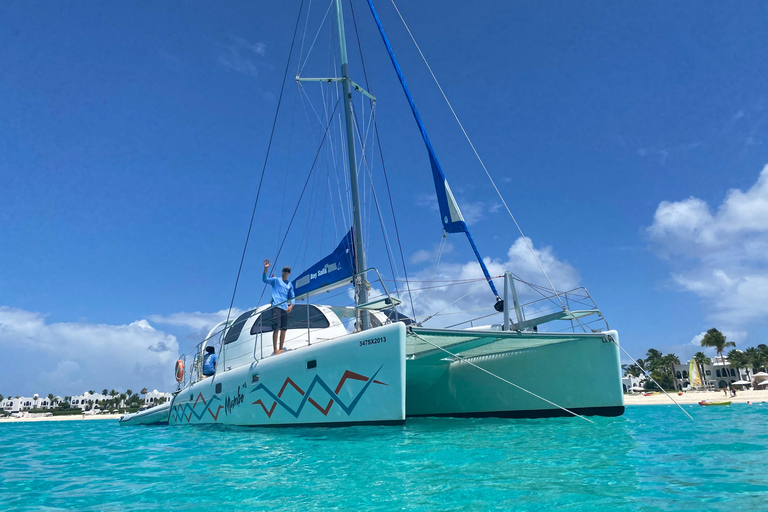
(282, 302)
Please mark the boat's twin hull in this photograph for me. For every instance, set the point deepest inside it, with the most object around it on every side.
(359, 378)
(580, 373)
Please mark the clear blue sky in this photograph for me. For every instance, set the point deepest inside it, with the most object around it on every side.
(628, 139)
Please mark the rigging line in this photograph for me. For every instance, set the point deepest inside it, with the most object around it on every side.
(527, 242)
(473, 290)
(440, 249)
(303, 37)
(322, 23)
(394, 218)
(302, 194)
(649, 376)
(266, 159)
(464, 360)
(381, 156)
(287, 171)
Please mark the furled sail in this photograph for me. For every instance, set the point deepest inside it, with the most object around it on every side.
(334, 270)
(453, 221)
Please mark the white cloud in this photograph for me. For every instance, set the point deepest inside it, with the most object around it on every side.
(423, 255)
(196, 320)
(473, 298)
(722, 256)
(242, 56)
(70, 357)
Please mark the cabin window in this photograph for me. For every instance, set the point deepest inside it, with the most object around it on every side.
(302, 316)
(717, 372)
(679, 375)
(733, 372)
(237, 327)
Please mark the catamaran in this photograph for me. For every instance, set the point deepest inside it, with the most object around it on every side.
(393, 366)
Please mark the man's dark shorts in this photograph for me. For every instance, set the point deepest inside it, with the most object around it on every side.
(279, 319)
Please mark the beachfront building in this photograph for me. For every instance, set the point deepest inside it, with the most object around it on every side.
(632, 384)
(717, 375)
(26, 403)
(156, 397)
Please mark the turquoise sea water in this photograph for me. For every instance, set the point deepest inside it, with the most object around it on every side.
(652, 458)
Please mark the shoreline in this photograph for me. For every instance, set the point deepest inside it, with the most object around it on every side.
(694, 397)
(72, 417)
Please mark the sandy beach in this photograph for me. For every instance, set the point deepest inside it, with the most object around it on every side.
(693, 397)
(75, 417)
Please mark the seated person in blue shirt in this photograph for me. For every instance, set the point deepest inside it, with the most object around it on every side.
(282, 291)
(209, 362)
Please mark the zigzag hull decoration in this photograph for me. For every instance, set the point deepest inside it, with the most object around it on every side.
(185, 412)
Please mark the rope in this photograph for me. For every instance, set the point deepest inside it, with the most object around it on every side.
(452, 303)
(383, 166)
(530, 247)
(504, 380)
(298, 203)
(266, 159)
(649, 376)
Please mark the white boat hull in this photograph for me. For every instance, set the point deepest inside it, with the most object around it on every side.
(578, 372)
(155, 416)
(357, 378)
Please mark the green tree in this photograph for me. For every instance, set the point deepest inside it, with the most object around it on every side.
(2, 398)
(715, 339)
(756, 358)
(144, 393)
(50, 400)
(737, 360)
(104, 392)
(636, 369)
(668, 362)
(701, 359)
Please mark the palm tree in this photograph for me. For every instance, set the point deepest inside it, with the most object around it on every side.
(738, 360)
(669, 361)
(104, 392)
(715, 339)
(700, 358)
(129, 392)
(756, 358)
(144, 392)
(50, 400)
(635, 370)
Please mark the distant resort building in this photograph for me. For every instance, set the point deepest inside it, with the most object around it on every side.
(84, 401)
(717, 375)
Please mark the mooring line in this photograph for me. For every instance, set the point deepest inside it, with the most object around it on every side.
(649, 376)
(503, 379)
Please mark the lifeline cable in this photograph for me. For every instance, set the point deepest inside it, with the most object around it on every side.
(504, 380)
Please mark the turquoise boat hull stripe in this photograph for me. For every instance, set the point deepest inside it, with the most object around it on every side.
(450, 224)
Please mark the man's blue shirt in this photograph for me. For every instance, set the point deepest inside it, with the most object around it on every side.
(281, 291)
(209, 364)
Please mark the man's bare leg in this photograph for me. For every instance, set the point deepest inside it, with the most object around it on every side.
(282, 339)
(274, 342)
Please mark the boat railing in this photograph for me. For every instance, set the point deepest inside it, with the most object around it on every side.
(259, 332)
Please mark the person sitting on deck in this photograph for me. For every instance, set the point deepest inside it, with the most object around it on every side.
(282, 302)
(209, 362)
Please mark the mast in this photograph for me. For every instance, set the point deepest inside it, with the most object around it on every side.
(361, 284)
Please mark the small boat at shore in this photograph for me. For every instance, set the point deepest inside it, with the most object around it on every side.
(707, 402)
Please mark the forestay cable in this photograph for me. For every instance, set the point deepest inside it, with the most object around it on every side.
(527, 242)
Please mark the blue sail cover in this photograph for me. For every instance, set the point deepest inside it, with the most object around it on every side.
(450, 215)
(336, 267)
